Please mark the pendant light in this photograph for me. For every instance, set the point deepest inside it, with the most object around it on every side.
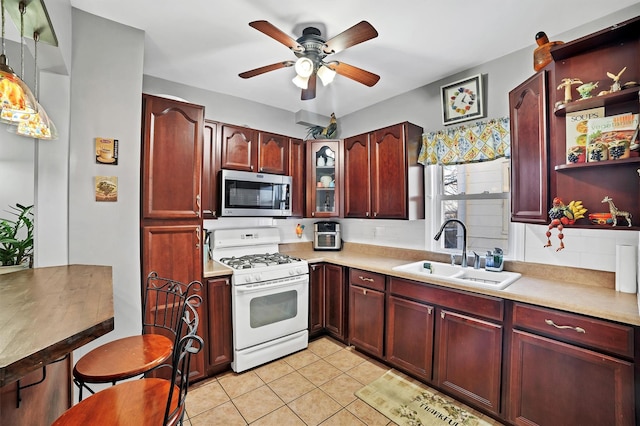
(16, 100)
(38, 126)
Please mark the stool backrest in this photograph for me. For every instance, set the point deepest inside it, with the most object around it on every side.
(163, 305)
(186, 346)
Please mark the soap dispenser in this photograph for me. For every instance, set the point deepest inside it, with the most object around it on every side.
(494, 261)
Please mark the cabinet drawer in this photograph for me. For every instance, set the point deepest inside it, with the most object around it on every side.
(367, 279)
(573, 328)
(484, 306)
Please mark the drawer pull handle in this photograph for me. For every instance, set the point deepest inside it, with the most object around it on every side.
(577, 329)
(365, 278)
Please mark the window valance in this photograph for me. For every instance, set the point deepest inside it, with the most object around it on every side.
(481, 141)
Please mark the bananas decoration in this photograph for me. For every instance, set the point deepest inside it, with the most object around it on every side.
(562, 215)
(577, 209)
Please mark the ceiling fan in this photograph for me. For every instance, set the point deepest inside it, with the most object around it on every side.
(312, 49)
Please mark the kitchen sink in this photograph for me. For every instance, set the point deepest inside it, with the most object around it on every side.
(458, 275)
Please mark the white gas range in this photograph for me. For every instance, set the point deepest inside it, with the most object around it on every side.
(270, 295)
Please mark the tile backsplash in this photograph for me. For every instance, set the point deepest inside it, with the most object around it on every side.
(584, 248)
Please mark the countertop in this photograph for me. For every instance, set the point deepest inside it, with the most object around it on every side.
(576, 290)
(46, 313)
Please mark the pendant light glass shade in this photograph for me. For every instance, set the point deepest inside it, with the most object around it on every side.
(38, 126)
(16, 99)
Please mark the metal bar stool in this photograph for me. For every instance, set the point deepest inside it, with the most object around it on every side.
(148, 401)
(132, 356)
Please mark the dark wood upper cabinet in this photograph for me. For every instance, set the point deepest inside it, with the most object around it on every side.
(273, 153)
(357, 178)
(172, 159)
(324, 178)
(210, 166)
(242, 148)
(529, 150)
(538, 129)
(297, 170)
(238, 147)
(382, 176)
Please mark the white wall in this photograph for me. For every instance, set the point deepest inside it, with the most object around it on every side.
(106, 101)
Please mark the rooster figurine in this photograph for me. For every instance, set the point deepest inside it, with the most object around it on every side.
(319, 132)
(562, 215)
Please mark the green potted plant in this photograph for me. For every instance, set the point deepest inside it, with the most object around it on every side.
(16, 237)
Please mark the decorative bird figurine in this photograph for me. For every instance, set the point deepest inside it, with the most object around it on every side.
(319, 132)
(615, 87)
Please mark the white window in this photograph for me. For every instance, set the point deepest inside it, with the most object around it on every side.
(478, 195)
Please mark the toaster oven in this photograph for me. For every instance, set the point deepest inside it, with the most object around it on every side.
(326, 236)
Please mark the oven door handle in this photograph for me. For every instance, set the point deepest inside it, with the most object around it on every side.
(268, 286)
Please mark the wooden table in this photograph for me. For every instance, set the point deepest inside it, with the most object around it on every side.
(45, 314)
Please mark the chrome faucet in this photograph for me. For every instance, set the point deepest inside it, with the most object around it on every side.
(464, 238)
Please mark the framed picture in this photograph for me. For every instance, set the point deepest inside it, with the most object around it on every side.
(462, 100)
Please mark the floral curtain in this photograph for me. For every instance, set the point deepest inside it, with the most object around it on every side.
(481, 141)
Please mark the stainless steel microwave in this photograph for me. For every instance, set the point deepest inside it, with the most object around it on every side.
(254, 194)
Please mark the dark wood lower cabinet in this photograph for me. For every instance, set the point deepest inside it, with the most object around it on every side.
(334, 301)
(219, 338)
(469, 360)
(410, 336)
(316, 299)
(554, 383)
(366, 319)
(327, 300)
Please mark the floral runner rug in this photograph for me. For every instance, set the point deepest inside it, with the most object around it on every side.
(408, 402)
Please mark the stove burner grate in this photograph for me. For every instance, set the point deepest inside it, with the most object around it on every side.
(258, 260)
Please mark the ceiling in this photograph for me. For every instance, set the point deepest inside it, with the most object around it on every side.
(206, 44)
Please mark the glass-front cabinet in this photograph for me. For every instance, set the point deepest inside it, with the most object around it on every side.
(323, 178)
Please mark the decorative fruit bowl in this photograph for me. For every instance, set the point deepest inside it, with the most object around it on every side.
(601, 218)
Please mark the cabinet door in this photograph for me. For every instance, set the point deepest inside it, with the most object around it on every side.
(210, 167)
(238, 148)
(273, 153)
(334, 303)
(172, 159)
(357, 178)
(297, 172)
(410, 335)
(529, 151)
(469, 359)
(219, 337)
(174, 251)
(560, 384)
(323, 178)
(366, 319)
(389, 173)
(316, 299)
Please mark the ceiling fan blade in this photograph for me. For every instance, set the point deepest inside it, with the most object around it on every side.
(357, 34)
(310, 91)
(358, 74)
(266, 68)
(276, 34)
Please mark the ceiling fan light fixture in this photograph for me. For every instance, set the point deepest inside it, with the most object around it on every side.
(304, 67)
(301, 82)
(326, 74)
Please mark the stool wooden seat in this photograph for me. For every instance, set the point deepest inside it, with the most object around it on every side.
(132, 356)
(123, 358)
(148, 401)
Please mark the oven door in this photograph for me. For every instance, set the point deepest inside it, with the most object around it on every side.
(269, 310)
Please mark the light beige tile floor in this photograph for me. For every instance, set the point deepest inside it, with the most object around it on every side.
(315, 386)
